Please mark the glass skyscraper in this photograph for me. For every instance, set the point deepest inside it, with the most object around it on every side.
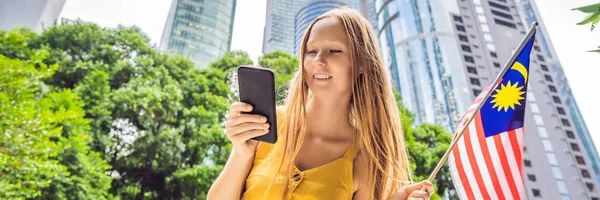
(199, 29)
(279, 25)
(309, 13)
(419, 48)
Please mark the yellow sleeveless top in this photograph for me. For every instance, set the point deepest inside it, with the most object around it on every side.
(331, 181)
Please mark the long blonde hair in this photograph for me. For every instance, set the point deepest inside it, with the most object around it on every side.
(373, 110)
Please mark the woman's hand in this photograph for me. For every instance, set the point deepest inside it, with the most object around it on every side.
(240, 128)
(414, 192)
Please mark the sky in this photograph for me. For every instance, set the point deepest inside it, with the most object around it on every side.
(570, 41)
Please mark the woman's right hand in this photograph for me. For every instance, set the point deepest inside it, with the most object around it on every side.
(240, 128)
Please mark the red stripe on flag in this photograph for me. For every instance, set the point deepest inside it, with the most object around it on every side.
(474, 164)
(505, 167)
(461, 173)
(516, 150)
(488, 160)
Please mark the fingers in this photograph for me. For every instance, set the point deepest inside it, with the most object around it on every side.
(244, 118)
(421, 190)
(417, 186)
(238, 107)
(241, 128)
(245, 136)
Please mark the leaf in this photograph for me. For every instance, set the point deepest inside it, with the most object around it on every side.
(593, 18)
(589, 8)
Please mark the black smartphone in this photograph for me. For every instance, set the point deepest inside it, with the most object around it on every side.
(257, 88)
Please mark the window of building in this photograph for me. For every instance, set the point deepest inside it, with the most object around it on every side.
(562, 187)
(475, 81)
(575, 147)
(458, 19)
(556, 172)
(493, 54)
(463, 38)
(556, 99)
(465, 48)
(595, 198)
(585, 173)
(552, 88)
(537, 48)
(505, 23)
(476, 92)
(548, 78)
(565, 122)
(471, 70)
(590, 186)
(527, 163)
(544, 67)
(501, 14)
(531, 177)
(540, 58)
(560, 110)
(460, 28)
(570, 134)
(496, 64)
(469, 59)
(580, 160)
(499, 6)
(552, 159)
(536, 192)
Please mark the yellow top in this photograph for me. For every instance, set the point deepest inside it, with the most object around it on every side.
(331, 181)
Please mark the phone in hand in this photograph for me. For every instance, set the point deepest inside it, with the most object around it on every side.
(257, 88)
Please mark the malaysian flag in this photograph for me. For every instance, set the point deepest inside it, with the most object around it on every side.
(486, 162)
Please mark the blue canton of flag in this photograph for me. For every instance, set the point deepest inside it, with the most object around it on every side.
(504, 110)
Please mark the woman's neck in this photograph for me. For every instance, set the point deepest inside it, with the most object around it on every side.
(328, 117)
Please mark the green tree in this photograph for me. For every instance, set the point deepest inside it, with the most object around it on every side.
(231, 60)
(593, 17)
(154, 117)
(43, 151)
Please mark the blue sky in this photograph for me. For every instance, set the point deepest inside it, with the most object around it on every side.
(570, 41)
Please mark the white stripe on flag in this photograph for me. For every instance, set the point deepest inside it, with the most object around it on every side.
(512, 162)
(498, 168)
(468, 170)
(480, 161)
(456, 178)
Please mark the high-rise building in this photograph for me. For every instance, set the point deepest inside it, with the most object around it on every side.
(279, 25)
(440, 55)
(280, 31)
(307, 14)
(529, 15)
(37, 15)
(198, 29)
(314, 8)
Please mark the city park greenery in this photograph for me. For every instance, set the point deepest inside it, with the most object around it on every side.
(97, 113)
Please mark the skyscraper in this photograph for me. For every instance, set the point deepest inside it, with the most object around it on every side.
(279, 25)
(529, 15)
(307, 14)
(441, 53)
(34, 14)
(280, 31)
(198, 29)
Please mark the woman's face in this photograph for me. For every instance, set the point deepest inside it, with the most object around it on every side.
(327, 64)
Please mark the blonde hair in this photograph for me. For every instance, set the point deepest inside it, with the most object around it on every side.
(373, 111)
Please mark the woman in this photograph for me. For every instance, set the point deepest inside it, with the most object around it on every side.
(340, 126)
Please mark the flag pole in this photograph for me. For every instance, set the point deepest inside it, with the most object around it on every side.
(470, 118)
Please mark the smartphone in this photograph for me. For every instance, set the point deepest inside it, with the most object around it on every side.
(257, 88)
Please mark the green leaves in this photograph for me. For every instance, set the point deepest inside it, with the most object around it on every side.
(593, 17)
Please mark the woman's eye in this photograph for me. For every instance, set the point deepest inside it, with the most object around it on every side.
(311, 52)
(335, 51)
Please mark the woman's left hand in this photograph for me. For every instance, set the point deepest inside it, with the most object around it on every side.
(414, 192)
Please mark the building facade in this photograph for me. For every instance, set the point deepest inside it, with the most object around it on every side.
(309, 13)
(198, 29)
(279, 26)
(440, 55)
(37, 15)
